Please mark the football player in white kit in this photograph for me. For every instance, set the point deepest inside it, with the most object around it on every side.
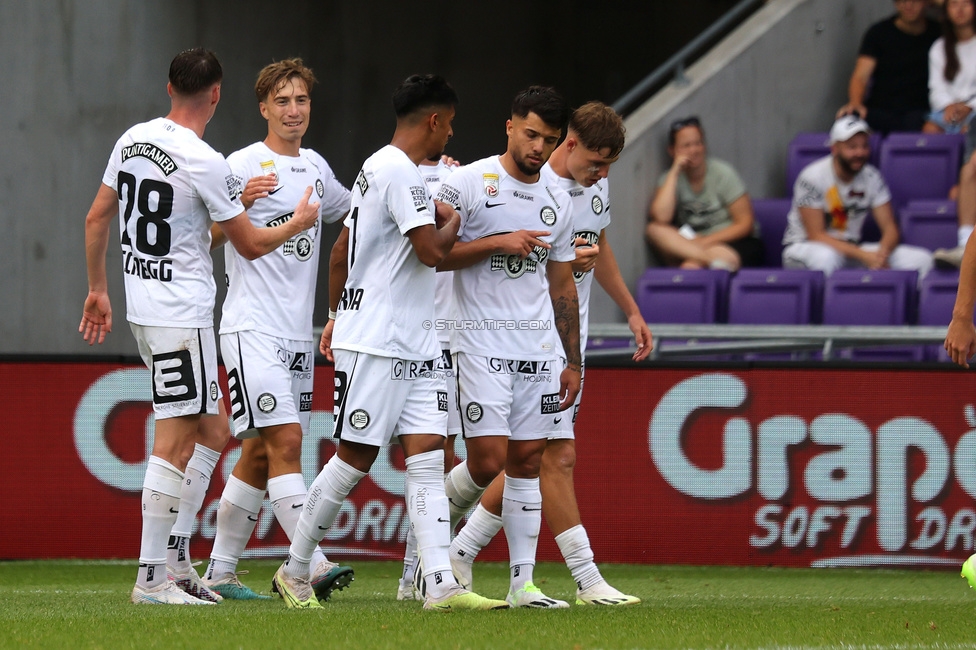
(434, 173)
(166, 184)
(384, 348)
(266, 330)
(513, 284)
(579, 166)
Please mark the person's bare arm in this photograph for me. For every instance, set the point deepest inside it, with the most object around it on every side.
(665, 200)
(857, 87)
(338, 273)
(960, 340)
(743, 222)
(253, 242)
(565, 306)
(432, 242)
(96, 317)
(607, 274)
(884, 216)
(813, 223)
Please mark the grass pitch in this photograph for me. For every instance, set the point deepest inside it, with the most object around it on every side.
(74, 604)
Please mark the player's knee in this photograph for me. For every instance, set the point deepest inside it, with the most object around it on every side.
(559, 458)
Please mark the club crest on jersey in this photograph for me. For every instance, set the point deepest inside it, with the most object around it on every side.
(359, 419)
(319, 187)
(266, 402)
(303, 247)
(597, 204)
(214, 393)
(491, 184)
(548, 216)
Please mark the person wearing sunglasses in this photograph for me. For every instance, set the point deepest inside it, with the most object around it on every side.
(701, 216)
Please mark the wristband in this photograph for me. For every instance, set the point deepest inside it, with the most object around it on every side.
(332, 315)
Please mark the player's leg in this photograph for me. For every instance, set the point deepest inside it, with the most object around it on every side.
(237, 515)
(484, 523)
(561, 511)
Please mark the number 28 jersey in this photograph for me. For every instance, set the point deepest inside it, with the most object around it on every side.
(170, 184)
(502, 302)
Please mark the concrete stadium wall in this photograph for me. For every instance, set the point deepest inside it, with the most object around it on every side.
(783, 71)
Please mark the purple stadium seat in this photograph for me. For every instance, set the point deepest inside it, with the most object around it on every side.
(930, 224)
(771, 217)
(936, 298)
(920, 165)
(885, 297)
(775, 297)
(669, 295)
(807, 147)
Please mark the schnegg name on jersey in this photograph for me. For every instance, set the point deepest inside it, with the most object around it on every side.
(147, 269)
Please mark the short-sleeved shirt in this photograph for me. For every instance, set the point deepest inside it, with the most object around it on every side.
(387, 305)
(170, 184)
(502, 302)
(434, 175)
(707, 211)
(845, 205)
(900, 78)
(274, 294)
(591, 214)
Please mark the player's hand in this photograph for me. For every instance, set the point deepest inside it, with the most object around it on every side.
(960, 341)
(642, 336)
(586, 255)
(875, 260)
(444, 214)
(306, 214)
(96, 319)
(851, 108)
(570, 380)
(325, 343)
(681, 162)
(521, 242)
(450, 162)
(258, 187)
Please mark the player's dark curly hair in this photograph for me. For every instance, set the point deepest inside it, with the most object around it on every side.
(544, 101)
(421, 92)
(275, 75)
(194, 70)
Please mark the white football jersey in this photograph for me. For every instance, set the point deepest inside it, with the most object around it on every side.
(591, 214)
(170, 185)
(434, 175)
(274, 294)
(387, 305)
(502, 302)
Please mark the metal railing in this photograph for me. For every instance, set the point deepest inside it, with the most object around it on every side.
(678, 62)
(697, 340)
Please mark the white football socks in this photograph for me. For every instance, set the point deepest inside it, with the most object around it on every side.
(199, 469)
(575, 547)
(462, 492)
(287, 494)
(481, 528)
(160, 505)
(430, 519)
(324, 500)
(522, 519)
(237, 515)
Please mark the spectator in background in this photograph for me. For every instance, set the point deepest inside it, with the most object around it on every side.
(889, 85)
(831, 200)
(952, 72)
(701, 216)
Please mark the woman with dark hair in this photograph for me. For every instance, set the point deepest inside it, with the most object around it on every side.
(952, 71)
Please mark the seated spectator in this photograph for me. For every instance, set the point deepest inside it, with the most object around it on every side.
(889, 85)
(831, 200)
(952, 72)
(701, 216)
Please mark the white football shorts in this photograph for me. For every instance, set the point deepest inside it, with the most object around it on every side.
(182, 364)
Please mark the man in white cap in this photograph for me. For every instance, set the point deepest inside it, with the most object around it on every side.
(831, 200)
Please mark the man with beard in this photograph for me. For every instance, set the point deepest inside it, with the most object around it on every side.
(831, 200)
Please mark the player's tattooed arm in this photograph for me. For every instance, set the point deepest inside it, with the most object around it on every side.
(565, 305)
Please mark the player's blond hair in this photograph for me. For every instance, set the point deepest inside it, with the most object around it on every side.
(598, 127)
(275, 75)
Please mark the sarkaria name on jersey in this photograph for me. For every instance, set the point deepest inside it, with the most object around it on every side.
(152, 153)
(147, 269)
(351, 299)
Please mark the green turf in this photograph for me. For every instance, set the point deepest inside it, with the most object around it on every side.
(85, 605)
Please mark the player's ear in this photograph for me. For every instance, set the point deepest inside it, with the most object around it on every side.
(432, 120)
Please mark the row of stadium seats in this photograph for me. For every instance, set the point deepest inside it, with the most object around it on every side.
(799, 297)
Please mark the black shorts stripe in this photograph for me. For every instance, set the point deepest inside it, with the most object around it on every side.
(247, 399)
(204, 393)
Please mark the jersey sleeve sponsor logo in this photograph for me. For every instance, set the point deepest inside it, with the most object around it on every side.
(362, 183)
(152, 153)
(419, 196)
(235, 186)
(491, 184)
(548, 216)
(596, 203)
(450, 195)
